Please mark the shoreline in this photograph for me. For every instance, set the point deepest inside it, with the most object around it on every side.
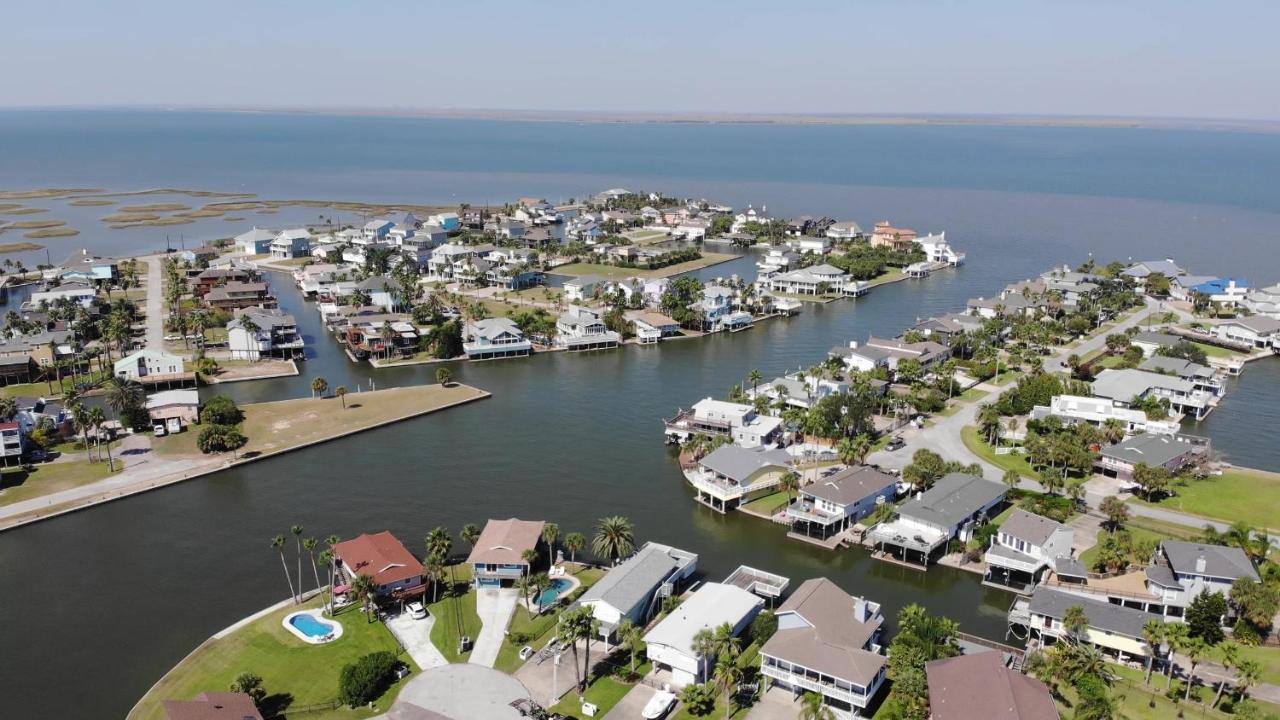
(142, 486)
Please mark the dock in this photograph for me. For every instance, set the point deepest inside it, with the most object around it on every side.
(758, 582)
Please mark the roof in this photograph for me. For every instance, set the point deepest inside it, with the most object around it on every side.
(1219, 561)
(654, 319)
(1069, 567)
(636, 578)
(493, 327)
(380, 556)
(832, 638)
(1259, 324)
(1155, 338)
(1177, 366)
(952, 499)
(738, 463)
(255, 235)
(851, 485)
(585, 280)
(173, 397)
(263, 318)
(1035, 529)
(1102, 615)
(1166, 267)
(981, 687)
(1126, 384)
(1147, 448)
(213, 706)
(712, 605)
(503, 542)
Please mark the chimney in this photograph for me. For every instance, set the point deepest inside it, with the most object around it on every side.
(860, 609)
(1200, 564)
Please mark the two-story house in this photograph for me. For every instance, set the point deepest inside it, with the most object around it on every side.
(493, 338)
(831, 504)
(580, 328)
(953, 508)
(1025, 546)
(498, 557)
(731, 475)
(381, 557)
(738, 421)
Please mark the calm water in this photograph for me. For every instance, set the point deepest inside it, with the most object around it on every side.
(136, 584)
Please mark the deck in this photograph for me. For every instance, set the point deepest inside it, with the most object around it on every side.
(759, 582)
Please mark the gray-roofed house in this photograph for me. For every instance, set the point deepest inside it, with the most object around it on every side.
(1123, 386)
(952, 508)
(1150, 341)
(493, 338)
(827, 642)
(1203, 377)
(1115, 629)
(831, 504)
(1256, 331)
(1173, 452)
(861, 358)
(634, 589)
(1201, 567)
(982, 687)
(732, 474)
(1141, 270)
(1024, 548)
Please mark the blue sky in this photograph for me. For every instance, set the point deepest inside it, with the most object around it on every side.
(1172, 58)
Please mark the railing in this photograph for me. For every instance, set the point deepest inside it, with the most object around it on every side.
(809, 683)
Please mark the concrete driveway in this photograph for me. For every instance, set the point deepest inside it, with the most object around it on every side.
(458, 692)
(494, 606)
(775, 704)
(415, 636)
(632, 704)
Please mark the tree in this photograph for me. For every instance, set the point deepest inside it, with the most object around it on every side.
(444, 377)
(614, 539)
(319, 386)
(1011, 478)
(221, 410)
(1075, 622)
(470, 533)
(1115, 510)
(754, 377)
(98, 418)
(926, 468)
(310, 545)
(341, 392)
(813, 707)
(698, 699)
(789, 483)
(366, 679)
(123, 395)
(1153, 633)
(251, 685)
(631, 637)
(1194, 648)
(1175, 635)
(220, 438)
(574, 542)
(278, 543)
(728, 674)
(1229, 656)
(704, 646)
(1204, 617)
(550, 534)
(854, 451)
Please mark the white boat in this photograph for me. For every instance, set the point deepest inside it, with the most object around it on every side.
(659, 705)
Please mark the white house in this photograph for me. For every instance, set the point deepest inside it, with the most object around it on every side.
(635, 588)
(1073, 409)
(1025, 546)
(375, 231)
(255, 241)
(1123, 386)
(448, 221)
(580, 328)
(738, 421)
(269, 332)
(845, 230)
(1259, 332)
(814, 280)
(938, 250)
(492, 338)
(953, 508)
(731, 475)
(149, 364)
(669, 645)
(75, 291)
(174, 407)
(583, 288)
(1263, 301)
(294, 243)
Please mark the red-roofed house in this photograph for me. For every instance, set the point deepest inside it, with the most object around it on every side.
(382, 557)
(213, 706)
(498, 557)
(897, 238)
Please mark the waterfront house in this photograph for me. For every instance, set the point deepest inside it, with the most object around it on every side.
(1172, 452)
(1127, 386)
(894, 238)
(511, 229)
(236, 295)
(395, 572)
(448, 221)
(381, 336)
(844, 231)
(182, 406)
(796, 392)
(150, 366)
(650, 326)
(445, 258)
(1150, 342)
(927, 352)
(493, 338)
(12, 443)
(376, 231)
(716, 309)
(776, 260)
(288, 244)
(635, 588)
(1139, 271)
(498, 556)
(1114, 629)
(1182, 570)
(953, 508)
(381, 291)
(749, 216)
(693, 229)
(731, 475)
(77, 292)
(946, 329)
(580, 328)
(583, 288)
(210, 278)
(272, 333)
(1075, 409)
(982, 686)
(1026, 546)
(938, 250)
(669, 645)
(88, 268)
(17, 369)
(1257, 332)
(213, 706)
(814, 280)
(1205, 379)
(1263, 301)
(738, 421)
(1005, 304)
(837, 500)
(827, 642)
(860, 358)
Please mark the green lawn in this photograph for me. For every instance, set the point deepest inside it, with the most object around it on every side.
(49, 388)
(888, 276)
(1219, 352)
(1235, 495)
(1268, 658)
(967, 396)
(458, 606)
(1012, 461)
(1005, 377)
(769, 504)
(1138, 701)
(307, 674)
(541, 627)
(46, 478)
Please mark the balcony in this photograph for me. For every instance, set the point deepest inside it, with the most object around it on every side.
(814, 682)
(809, 512)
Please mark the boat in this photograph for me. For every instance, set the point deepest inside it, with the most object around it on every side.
(659, 705)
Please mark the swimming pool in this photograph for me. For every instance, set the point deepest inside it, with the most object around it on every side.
(310, 627)
(559, 586)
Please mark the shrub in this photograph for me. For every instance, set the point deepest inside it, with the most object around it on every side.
(366, 679)
(220, 438)
(221, 410)
(1245, 633)
(763, 627)
(250, 685)
(699, 700)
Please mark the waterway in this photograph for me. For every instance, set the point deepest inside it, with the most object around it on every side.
(113, 596)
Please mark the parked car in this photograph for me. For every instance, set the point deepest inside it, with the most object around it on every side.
(895, 444)
(416, 610)
(526, 652)
(159, 430)
(402, 671)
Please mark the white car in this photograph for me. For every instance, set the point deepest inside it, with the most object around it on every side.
(159, 430)
(416, 610)
(659, 705)
(526, 652)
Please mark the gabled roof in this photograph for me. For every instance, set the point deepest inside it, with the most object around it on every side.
(636, 578)
(1034, 529)
(503, 542)
(981, 687)
(952, 499)
(832, 638)
(213, 706)
(1151, 449)
(851, 485)
(1115, 619)
(380, 556)
(1219, 561)
(738, 463)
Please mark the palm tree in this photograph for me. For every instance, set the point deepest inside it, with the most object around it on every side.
(326, 559)
(365, 591)
(1194, 648)
(80, 416)
(319, 386)
(123, 394)
(1248, 674)
(631, 637)
(525, 585)
(251, 329)
(615, 538)
(704, 646)
(574, 542)
(789, 483)
(1230, 657)
(277, 542)
(1153, 633)
(470, 533)
(812, 707)
(754, 377)
(98, 418)
(296, 530)
(1176, 636)
(530, 557)
(730, 674)
(551, 533)
(8, 408)
(310, 544)
(341, 392)
(541, 584)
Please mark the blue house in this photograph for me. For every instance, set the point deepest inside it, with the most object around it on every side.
(449, 221)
